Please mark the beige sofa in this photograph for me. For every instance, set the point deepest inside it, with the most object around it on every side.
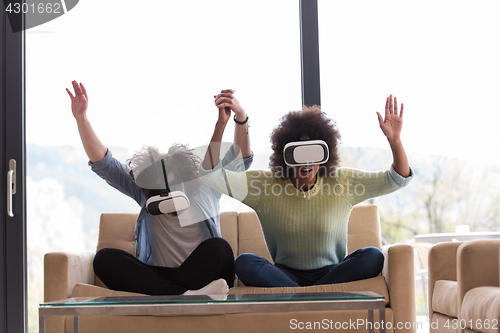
(71, 274)
(464, 289)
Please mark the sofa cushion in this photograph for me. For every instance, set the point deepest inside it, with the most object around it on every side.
(250, 236)
(376, 284)
(481, 307)
(444, 298)
(87, 290)
(117, 231)
(229, 229)
(443, 324)
(363, 228)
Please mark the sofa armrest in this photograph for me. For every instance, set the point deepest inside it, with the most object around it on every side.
(477, 265)
(62, 271)
(442, 266)
(400, 277)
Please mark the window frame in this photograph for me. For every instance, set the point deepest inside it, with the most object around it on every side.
(13, 263)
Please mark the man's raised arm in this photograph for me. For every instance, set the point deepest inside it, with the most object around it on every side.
(93, 146)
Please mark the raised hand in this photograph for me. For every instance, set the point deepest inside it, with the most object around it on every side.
(393, 123)
(226, 102)
(79, 101)
(94, 148)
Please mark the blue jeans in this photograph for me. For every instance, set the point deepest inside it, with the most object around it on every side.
(256, 271)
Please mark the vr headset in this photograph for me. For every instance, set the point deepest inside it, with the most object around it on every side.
(306, 152)
(167, 201)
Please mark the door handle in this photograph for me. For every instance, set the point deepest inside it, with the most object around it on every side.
(11, 186)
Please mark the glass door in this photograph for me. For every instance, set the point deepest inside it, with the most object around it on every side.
(151, 70)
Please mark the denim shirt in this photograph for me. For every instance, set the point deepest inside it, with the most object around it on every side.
(116, 174)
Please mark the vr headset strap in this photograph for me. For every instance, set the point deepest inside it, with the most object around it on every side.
(165, 176)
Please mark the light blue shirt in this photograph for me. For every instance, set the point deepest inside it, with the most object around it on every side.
(206, 200)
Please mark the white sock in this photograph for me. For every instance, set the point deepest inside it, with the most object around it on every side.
(215, 287)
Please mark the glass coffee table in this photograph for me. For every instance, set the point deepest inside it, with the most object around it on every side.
(215, 304)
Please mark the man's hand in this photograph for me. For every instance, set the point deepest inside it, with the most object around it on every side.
(80, 101)
(94, 148)
(226, 102)
(393, 123)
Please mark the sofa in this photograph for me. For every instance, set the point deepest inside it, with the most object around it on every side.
(71, 275)
(464, 289)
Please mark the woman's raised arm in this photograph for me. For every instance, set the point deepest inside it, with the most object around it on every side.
(391, 127)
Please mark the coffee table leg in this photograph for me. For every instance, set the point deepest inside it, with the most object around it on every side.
(76, 324)
(370, 321)
(383, 324)
(41, 324)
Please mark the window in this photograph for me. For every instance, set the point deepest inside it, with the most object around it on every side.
(151, 70)
(438, 58)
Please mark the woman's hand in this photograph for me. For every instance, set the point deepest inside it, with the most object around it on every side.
(226, 102)
(392, 126)
(393, 123)
(80, 101)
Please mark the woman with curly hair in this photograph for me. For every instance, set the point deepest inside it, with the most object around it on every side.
(177, 252)
(304, 209)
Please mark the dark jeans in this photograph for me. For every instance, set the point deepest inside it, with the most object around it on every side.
(256, 271)
(211, 260)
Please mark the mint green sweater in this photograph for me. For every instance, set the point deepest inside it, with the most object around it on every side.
(304, 230)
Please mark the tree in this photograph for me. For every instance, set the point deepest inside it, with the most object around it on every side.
(446, 192)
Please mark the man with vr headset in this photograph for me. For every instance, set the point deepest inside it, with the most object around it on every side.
(179, 249)
(304, 201)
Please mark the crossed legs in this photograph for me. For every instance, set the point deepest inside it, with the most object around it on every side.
(211, 261)
(256, 271)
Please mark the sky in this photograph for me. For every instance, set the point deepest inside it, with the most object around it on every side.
(151, 72)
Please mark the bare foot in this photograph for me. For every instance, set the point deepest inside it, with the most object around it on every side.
(215, 287)
(218, 297)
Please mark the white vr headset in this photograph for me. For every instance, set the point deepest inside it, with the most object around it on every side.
(306, 152)
(167, 201)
